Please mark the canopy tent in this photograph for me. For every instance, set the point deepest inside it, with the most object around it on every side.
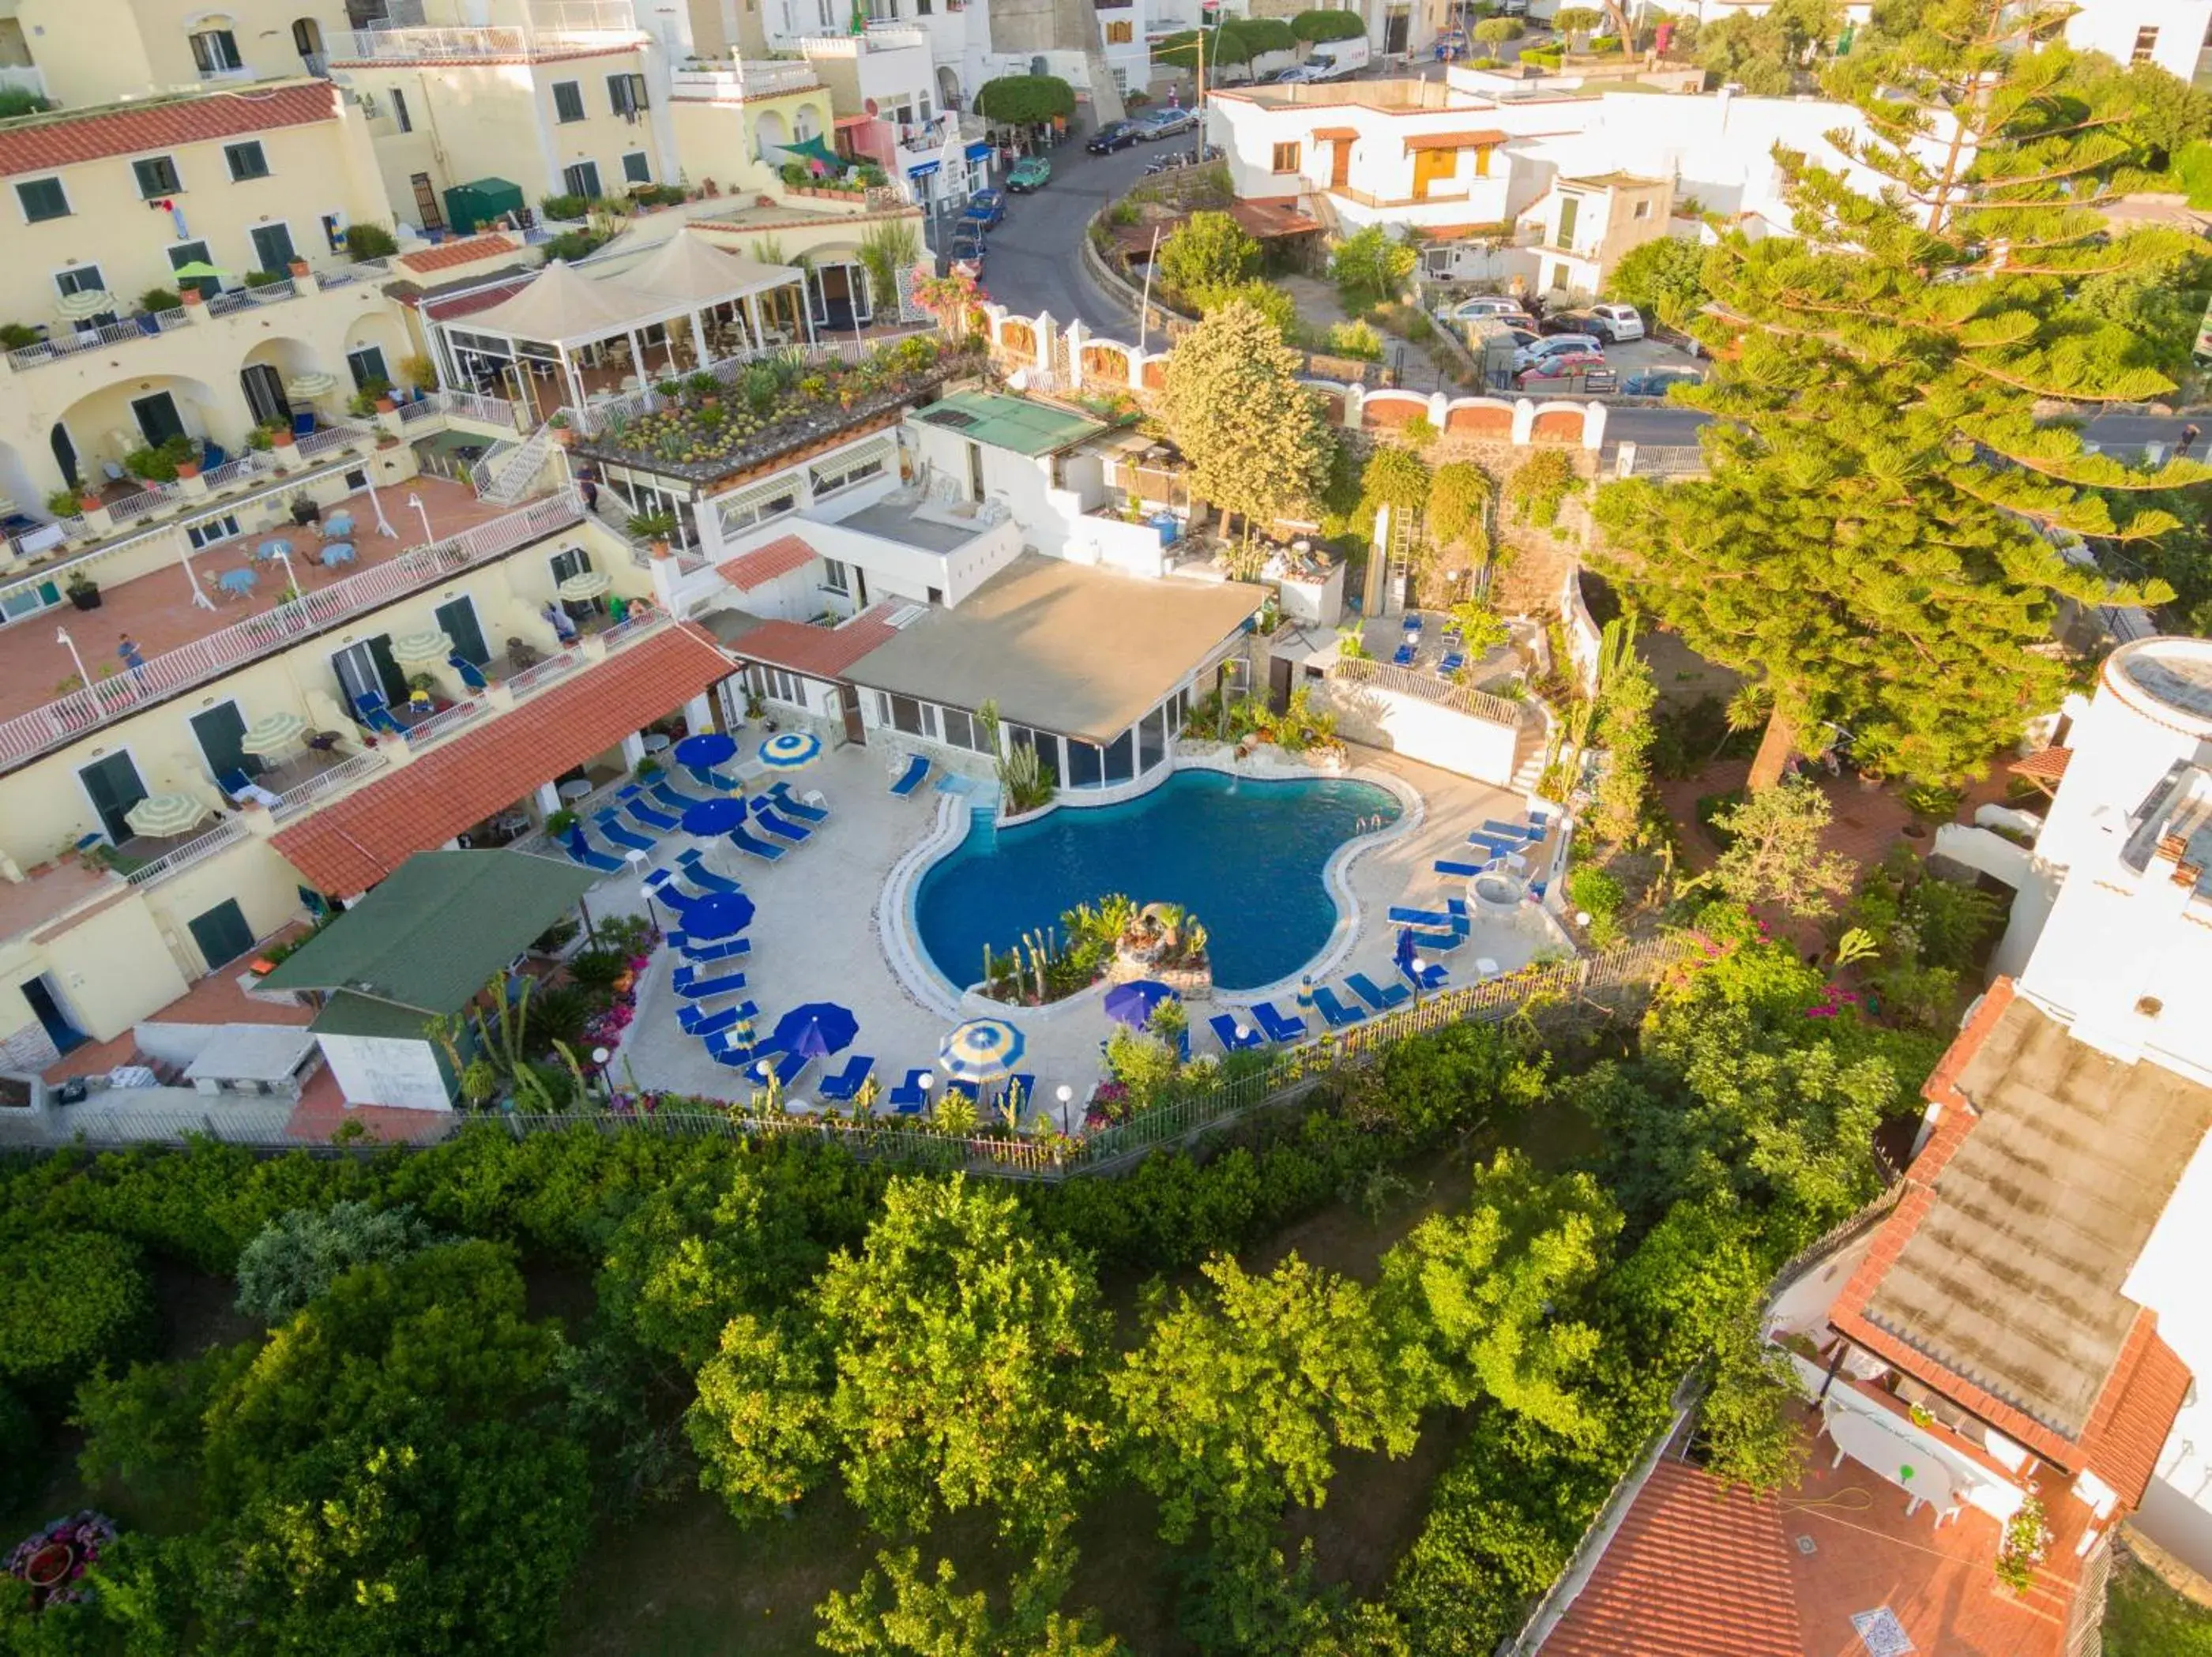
(816, 150)
(689, 267)
(565, 307)
(440, 927)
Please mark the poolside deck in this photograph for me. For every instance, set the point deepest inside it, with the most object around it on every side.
(818, 936)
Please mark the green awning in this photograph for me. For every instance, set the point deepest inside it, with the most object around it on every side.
(438, 929)
(815, 149)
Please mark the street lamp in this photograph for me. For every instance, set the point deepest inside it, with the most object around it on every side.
(423, 512)
(1065, 1094)
(61, 634)
(599, 1057)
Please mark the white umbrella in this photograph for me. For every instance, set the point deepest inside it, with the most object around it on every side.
(590, 584)
(85, 302)
(162, 816)
(273, 733)
(311, 386)
(432, 644)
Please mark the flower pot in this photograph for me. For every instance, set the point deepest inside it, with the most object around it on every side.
(85, 597)
(658, 549)
(188, 469)
(50, 1566)
(385, 405)
(564, 436)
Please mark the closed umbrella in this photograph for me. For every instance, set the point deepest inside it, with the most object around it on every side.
(85, 302)
(791, 750)
(1133, 1003)
(818, 1029)
(162, 816)
(272, 734)
(982, 1050)
(431, 645)
(309, 386)
(587, 584)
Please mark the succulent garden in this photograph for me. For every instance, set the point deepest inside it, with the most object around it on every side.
(709, 424)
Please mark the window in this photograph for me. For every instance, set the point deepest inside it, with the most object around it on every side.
(775, 684)
(365, 365)
(195, 252)
(399, 115)
(570, 561)
(272, 247)
(1119, 33)
(1482, 161)
(215, 52)
(209, 531)
(581, 180)
(567, 100)
(963, 729)
(834, 576)
(245, 161)
(157, 176)
(80, 279)
(905, 714)
(1046, 744)
(1121, 74)
(1085, 765)
(842, 471)
(1121, 756)
(637, 167)
(1643, 210)
(42, 199)
(625, 94)
(1152, 740)
(756, 507)
(2145, 45)
(1286, 158)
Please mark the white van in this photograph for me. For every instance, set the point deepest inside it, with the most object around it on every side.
(1334, 60)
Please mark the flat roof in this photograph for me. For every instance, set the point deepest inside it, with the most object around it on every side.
(911, 528)
(1062, 646)
(1001, 421)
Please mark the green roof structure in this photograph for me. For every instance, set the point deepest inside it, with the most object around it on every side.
(1001, 421)
(438, 928)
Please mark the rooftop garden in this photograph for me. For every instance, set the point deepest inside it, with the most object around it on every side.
(708, 425)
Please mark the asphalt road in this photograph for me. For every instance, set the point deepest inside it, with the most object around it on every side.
(1669, 427)
(1034, 261)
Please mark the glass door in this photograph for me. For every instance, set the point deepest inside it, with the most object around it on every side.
(221, 733)
(114, 786)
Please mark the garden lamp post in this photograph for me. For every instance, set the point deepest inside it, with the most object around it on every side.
(1065, 1094)
(599, 1057)
(1421, 975)
(61, 635)
(423, 512)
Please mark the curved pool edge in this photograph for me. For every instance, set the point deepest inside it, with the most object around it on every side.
(920, 977)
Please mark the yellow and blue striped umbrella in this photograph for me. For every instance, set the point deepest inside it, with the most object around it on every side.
(788, 750)
(982, 1050)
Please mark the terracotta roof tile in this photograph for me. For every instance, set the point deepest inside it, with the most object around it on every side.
(1454, 140)
(823, 652)
(2135, 1413)
(64, 140)
(445, 309)
(353, 843)
(1696, 1570)
(2048, 763)
(467, 251)
(757, 568)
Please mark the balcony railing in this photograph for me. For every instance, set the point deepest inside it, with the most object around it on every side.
(64, 720)
(1479, 704)
(468, 405)
(92, 339)
(338, 435)
(559, 666)
(731, 82)
(347, 772)
(228, 831)
(409, 46)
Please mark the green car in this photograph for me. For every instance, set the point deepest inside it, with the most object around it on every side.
(1030, 172)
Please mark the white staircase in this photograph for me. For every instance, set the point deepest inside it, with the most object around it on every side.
(507, 477)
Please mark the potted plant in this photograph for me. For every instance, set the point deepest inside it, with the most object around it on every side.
(559, 823)
(653, 528)
(558, 425)
(67, 501)
(83, 591)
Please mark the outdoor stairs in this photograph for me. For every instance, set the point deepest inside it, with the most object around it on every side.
(1528, 748)
(506, 479)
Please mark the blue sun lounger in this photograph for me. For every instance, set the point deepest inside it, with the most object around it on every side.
(674, 798)
(1380, 997)
(1453, 868)
(1439, 942)
(1453, 661)
(1227, 1032)
(707, 777)
(686, 982)
(917, 768)
(612, 827)
(694, 866)
(696, 1023)
(1403, 656)
(725, 948)
(733, 1055)
(908, 1097)
(471, 675)
(374, 713)
(635, 802)
(787, 1066)
(1402, 916)
(1432, 976)
(795, 808)
(1512, 831)
(1497, 845)
(753, 846)
(847, 1081)
(1278, 1028)
(580, 850)
(796, 833)
(1335, 1011)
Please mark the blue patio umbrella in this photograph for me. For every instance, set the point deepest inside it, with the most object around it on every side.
(788, 750)
(714, 816)
(1133, 1003)
(1405, 946)
(718, 915)
(816, 1028)
(707, 748)
(982, 1050)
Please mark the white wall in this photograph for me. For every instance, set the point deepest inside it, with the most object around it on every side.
(378, 1070)
(2169, 1278)
(1420, 730)
(2111, 27)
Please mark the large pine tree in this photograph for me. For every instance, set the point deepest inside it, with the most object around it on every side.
(1897, 456)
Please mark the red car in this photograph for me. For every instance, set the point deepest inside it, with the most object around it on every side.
(1566, 363)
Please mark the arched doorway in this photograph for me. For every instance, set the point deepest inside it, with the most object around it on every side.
(308, 41)
(948, 87)
(64, 455)
(265, 378)
(770, 133)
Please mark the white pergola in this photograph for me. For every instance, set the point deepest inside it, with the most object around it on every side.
(565, 317)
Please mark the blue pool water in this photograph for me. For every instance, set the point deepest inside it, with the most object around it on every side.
(1245, 857)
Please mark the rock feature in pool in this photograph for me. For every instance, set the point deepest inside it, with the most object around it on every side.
(1245, 855)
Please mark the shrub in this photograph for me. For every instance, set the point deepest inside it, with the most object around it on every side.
(1600, 896)
(71, 1303)
(266, 278)
(369, 241)
(297, 1255)
(158, 300)
(564, 207)
(1541, 485)
(14, 335)
(1495, 30)
(573, 244)
(1355, 339)
(1370, 266)
(1544, 60)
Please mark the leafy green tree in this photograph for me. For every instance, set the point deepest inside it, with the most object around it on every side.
(1206, 257)
(761, 1422)
(1753, 1436)
(1497, 31)
(1481, 1298)
(297, 1255)
(1664, 278)
(70, 1302)
(1369, 267)
(1394, 478)
(1320, 26)
(897, 1612)
(1025, 99)
(1626, 697)
(1457, 510)
(1774, 854)
(1238, 1400)
(1576, 20)
(1256, 439)
(1871, 543)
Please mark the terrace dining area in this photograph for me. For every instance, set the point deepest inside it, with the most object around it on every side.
(574, 340)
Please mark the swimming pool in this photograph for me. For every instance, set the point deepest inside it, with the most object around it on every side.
(1244, 856)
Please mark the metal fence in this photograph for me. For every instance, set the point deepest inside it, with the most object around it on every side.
(1463, 698)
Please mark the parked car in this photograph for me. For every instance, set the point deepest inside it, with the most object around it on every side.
(1559, 365)
(1657, 382)
(1519, 321)
(987, 207)
(1620, 322)
(1300, 72)
(1482, 305)
(1030, 172)
(1114, 134)
(1557, 345)
(1165, 123)
(968, 244)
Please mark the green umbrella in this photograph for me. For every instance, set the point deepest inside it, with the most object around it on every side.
(202, 269)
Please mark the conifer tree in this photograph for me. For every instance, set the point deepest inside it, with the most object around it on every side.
(1880, 539)
(1257, 444)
